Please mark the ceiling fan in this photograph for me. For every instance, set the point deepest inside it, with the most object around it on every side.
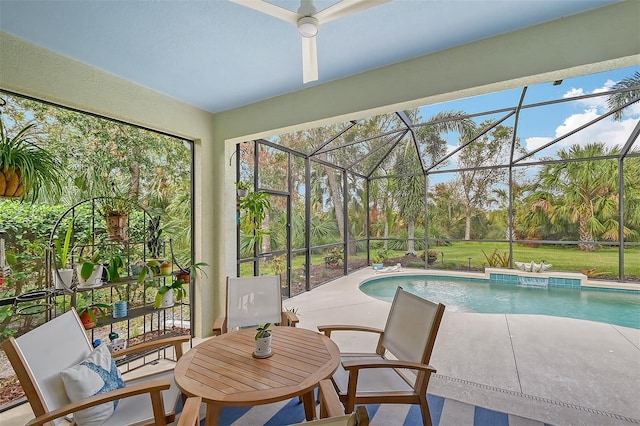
(308, 21)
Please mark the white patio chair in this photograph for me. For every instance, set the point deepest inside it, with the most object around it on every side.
(399, 371)
(39, 356)
(252, 301)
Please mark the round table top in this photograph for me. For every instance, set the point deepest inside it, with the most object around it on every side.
(222, 370)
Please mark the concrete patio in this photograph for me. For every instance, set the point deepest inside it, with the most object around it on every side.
(556, 370)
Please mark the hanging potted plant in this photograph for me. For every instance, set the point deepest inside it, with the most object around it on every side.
(242, 189)
(256, 204)
(263, 342)
(116, 211)
(24, 167)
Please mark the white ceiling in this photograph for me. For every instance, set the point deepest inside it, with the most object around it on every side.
(217, 55)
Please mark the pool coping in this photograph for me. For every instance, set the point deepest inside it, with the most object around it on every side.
(489, 274)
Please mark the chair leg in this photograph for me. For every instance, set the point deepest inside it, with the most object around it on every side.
(424, 409)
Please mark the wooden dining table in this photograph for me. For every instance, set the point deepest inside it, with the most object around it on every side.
(223, 371)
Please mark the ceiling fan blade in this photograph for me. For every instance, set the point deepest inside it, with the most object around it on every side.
(269, 9)
(344, 8)
(309, 59)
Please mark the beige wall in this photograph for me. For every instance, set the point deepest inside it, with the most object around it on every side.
(605, 38)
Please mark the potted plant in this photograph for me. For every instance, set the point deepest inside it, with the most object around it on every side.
(24, 167)
(432, 256)
(115, 210)
(114, 268)
(256, 204)
(185, 273)
(167, 294)
(63, 276)
(378, 258)
(242, 189)
(166, 268)
(88, 314)
(263, 342)
(90, 272)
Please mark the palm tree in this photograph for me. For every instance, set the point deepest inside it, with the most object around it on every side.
(586, 192)
(618, 99)
(432, 148)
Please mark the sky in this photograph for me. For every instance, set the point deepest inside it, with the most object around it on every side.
(538, 126)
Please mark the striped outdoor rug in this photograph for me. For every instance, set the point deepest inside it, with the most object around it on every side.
(444, 412)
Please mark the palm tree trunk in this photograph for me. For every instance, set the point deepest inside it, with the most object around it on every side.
(336, 198)
(411, 247)
(586, 239)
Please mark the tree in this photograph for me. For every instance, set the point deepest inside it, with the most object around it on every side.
(616, 100)
(432, 149)
(491, 152)
(586, 193)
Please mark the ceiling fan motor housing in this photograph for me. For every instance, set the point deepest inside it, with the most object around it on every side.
(308, 26)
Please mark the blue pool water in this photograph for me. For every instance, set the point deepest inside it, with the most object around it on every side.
(621, 308)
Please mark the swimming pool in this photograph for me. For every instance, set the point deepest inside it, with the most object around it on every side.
(459, 295)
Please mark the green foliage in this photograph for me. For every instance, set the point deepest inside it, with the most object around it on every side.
(380, 256)
(263, 331)
(243, 185)
(334, 256)
(179, 292)
(495, 259)
(39, 168)
(63, 249)
(91, 309)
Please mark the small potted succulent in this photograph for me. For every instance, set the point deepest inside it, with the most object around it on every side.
(263, 342)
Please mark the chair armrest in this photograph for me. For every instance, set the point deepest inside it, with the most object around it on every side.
(330, 405)
(289, 318)
(220, 326)
(153, 388)
(175, 341)
(327, 329)
(190, 415)
(385, 363)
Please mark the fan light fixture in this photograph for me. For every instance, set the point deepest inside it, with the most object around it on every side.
(308, 27)
(307, 19)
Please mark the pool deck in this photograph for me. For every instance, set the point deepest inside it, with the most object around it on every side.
(555, 370)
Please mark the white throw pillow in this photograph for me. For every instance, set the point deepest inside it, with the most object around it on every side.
(96, 374)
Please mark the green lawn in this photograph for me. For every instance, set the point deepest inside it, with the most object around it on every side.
(456, 256)
(570, 259)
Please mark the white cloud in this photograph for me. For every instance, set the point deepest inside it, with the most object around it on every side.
(536, 142)
(607, 131)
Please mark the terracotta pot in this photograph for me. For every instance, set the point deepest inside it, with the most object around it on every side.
(186, 277)
(117, 227)
(87, 322)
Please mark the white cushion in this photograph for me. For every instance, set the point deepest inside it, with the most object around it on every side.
(94, 375)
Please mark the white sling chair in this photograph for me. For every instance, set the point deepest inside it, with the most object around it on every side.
(39, 356)
(253, 301)
(404, 347)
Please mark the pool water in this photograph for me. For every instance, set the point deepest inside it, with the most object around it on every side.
(620, 308)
